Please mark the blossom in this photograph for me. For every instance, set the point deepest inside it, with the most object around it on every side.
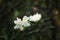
(25, 21)
(35, 17)
(21, 24)
(18, 23)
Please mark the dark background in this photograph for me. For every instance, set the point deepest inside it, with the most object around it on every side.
(10, 9)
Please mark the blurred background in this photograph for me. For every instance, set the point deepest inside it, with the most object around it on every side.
(49, 24)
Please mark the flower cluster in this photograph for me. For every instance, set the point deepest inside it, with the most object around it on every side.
(25, 22)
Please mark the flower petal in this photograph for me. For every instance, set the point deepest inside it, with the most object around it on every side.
(19, 27)
(25, 18)
(18, 21)
(35, 17)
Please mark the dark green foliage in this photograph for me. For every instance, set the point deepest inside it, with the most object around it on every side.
(10, 9)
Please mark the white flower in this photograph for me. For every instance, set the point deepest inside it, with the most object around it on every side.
(21, 24)
(25, 21)
(35, 17)
(18, 23)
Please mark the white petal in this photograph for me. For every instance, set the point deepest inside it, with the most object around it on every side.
(27, 24)
(25, 18)
(35, 17)
(18, 21)
(16, 27)
(19, 27)
(31, 18)
(25, 21)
